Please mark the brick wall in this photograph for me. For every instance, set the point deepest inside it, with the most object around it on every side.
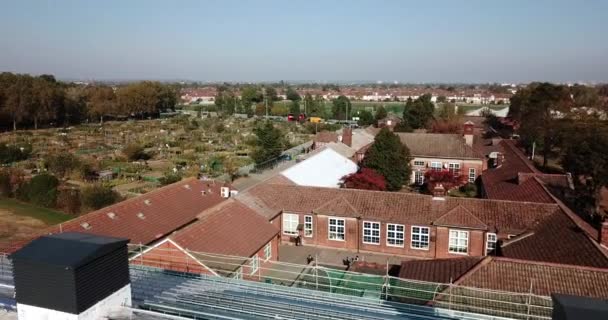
(465, 165)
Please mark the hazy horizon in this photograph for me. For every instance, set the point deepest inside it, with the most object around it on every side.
(263, 41)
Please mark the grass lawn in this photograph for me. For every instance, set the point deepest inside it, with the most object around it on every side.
(45, 215)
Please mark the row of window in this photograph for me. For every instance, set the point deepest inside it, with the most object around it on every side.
(395, 234)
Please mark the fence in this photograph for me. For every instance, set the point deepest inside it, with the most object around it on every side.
(373, 288)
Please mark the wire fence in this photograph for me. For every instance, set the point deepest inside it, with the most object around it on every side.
(314, 276)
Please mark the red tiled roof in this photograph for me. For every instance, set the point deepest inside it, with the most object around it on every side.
(326, 136)
(543, 278)
(460, 217)
(503, 183)
(437, 270)
(230, 228)
(151, 216)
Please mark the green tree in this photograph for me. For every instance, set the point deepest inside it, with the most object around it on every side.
(389, 157)
(584, 156)
(251, 95)
(97, 196)
(381, 113)
(41, 190)
(102, 101)
(268, 143)
(294, 107)
(418, 113)
(292, 94)
(62, 164)
(271, 94)
(538, 108)
(341, 108)
(365, 118)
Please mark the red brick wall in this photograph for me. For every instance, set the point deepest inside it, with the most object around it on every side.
(476, 243)
(405, 250)
(168, 256)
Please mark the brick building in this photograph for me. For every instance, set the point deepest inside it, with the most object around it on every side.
(424, 226)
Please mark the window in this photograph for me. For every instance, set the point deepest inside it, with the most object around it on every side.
(395, 233)
(371, 232)
(238, 274)
(290, 224)
(419, 177)
(308, 226)
(436, 166)
(336, 229)
(454, 168)
(472, 175)
(419, 163)
(254, 264)
(267, 251)
(420, 238)
(490, 242)
(459, 242)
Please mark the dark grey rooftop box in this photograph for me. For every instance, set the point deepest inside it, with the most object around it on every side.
(70, 272)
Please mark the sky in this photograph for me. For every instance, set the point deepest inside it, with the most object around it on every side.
(228, 40)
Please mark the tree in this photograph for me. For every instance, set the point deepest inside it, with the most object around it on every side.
(62, 164)
(367, 179)
(417, 113)
(445, 178)
(271, 94)
(251, 95)
(97, 196)
(538, 108)
(41, 190)
(381, 113)
(294, 107)
(19, 98)
(390, 158)
(135, 152)
(341, 108)
(292, 94)
(14, 153)
(442, 99)
(365, 118)
(584, 156)
(49, 98)
(268, 144)
(102, 101)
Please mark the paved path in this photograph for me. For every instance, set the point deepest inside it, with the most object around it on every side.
(334, 257)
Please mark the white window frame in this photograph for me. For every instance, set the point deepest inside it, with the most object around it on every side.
(490, 235)
(308, 227)
(472, 175)
(254, 264)
(395, 237)
(373, 226)
(456, 240)
(288, 220)
(454, 168)
(267, 251)
(434, 166)
(337, 228)
(421, 173)
(238, 274)
(419, 163)
(420, 235)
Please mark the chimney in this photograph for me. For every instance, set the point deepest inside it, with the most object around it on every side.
(438, 191)
(604, 234)
(468, 133)
(347, 136)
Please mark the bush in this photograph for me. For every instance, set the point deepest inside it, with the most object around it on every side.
(135, 152)
(366, 179)
(6, 188)
(62, 164)
(41, 190)
(169, 179)
(14, 153)
(68, 201)
(98, 196)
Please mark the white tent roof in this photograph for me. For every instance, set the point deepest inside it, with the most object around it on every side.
(324, 169)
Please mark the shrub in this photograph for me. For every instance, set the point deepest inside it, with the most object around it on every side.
(97, 196)
(135, 152)
(41, 190)
(62, 164)
(367, 179)
(14, 153)
(169, 179)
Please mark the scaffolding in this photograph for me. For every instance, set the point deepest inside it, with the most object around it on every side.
(335, 284)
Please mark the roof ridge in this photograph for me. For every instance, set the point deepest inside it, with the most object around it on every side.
(521, 156)
(467, 211)
(481, 263)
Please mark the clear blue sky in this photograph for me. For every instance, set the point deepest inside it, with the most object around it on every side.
(413, 41)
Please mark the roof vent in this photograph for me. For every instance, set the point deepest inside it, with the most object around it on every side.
(187, 186)
(225, 192)
(85, 225)
(111, 215)
(147, 202)
(141, 215)
(203, 192)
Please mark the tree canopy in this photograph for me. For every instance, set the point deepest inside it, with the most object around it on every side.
(418, 113)
(341, 108)
(390, 158)
(268, 144)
